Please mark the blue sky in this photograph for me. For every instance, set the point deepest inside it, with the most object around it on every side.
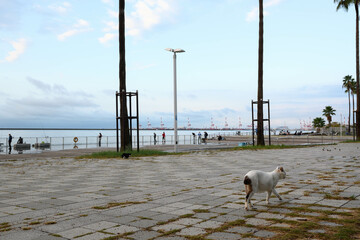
(59, 60)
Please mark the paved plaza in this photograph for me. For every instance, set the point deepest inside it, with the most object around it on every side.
(199, 195)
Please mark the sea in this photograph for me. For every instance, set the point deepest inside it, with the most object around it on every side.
(55, 140)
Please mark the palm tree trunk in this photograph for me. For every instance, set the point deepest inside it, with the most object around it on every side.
(353, 106)
(349, 111)
(124, 124)
(260, 114)
(357, 73)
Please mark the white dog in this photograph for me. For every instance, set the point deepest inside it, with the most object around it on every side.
(258, 181)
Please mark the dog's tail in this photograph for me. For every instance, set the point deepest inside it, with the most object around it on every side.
(247, 180)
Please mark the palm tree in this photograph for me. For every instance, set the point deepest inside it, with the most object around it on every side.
(328, 111)
(124, 124)
(318, 123)
(353, 92)
(347, 84)
(260, 114)
(345, 4)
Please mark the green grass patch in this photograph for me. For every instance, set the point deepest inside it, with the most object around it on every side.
(5, 226)
(34, 223)
(345, 233)
(201, 211)
(267, 147)
(116, 204)
(49, 223)
(134, 154)
(351, 141)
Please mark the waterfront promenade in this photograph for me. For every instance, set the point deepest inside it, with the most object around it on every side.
(193, 196)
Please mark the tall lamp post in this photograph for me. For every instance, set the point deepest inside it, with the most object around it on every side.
(175, 95)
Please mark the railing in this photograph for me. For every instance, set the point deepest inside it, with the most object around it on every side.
(62, 143)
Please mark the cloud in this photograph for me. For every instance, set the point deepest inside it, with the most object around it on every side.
(146, 15)
(60, 8)
(19, 48)
(39, 84)
(56, 89)
(107, 37)
(10, 13)
(53, 105)
(79, 27)
(254, 13)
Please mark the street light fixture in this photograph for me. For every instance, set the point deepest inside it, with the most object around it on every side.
(178, 50)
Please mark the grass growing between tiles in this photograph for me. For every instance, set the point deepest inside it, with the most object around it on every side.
(348, 224)
(134, 154)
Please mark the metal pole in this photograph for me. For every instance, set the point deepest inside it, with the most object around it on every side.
(252, 121)
(175, 106)
(269, 122)
(137, 120)
(130, 118)
(117, 123)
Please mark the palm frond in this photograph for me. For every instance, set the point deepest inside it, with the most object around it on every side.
(345, 4)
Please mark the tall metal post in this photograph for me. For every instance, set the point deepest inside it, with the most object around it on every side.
(252, 121)
(269, 122)
(175, 106)
(174, 51)
(130, 130)
(137, 120)
(117, 122)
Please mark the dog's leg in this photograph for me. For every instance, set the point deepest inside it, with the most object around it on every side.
(249, 193)
(275, 192)
(268, 196)
(248, 205)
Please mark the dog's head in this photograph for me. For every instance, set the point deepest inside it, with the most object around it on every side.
(281, 172)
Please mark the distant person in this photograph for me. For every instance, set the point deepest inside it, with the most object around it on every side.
(194, 136)
(206, 135)
(199, 138)
(10, 140)
(154, 138)
(100, 136)
(163, 138)
(20, 140)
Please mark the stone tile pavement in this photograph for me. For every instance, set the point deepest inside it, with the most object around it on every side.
(176, 197)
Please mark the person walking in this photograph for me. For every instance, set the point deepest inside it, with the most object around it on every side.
(205, 136)
(100, 136)
(10, 140)
(199, 138)
(194, 137)
(163, 137)
(154, 138)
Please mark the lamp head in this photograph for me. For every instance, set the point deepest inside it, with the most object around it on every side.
(178, 50)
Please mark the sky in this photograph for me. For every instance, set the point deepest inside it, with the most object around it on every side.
(59, 61)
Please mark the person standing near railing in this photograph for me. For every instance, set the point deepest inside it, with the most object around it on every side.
(100, 136)
(163, 138)
(10, 140)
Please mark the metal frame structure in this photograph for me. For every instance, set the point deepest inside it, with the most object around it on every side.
(128, 118)
(255, 120)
